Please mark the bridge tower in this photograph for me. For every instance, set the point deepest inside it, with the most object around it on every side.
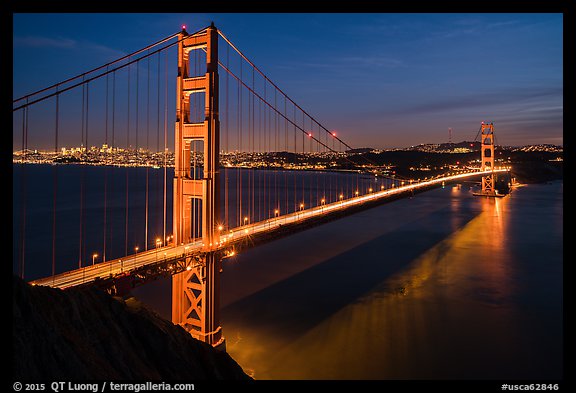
(196, 292)
(487, 154)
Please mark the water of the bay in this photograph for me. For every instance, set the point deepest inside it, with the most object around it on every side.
(441, 286)
(444, 285)
(69, 216)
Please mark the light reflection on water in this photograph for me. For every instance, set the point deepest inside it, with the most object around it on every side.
(440, 286)
(461, 287)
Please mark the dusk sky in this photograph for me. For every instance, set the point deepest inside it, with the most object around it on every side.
(380, 80)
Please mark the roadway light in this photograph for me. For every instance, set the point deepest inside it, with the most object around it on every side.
(94, 256)
(245, 220)
(220, 227)
(302, 206)
(356, 193)
(276, 213)
(158, 244)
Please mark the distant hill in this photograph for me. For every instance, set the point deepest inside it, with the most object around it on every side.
(85, 334)
(360, 150)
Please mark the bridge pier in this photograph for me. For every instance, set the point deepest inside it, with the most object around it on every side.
(196, 300)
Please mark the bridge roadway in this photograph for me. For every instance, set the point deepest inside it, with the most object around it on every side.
(116, 267)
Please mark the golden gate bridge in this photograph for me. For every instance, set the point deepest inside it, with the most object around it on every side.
(241, 145)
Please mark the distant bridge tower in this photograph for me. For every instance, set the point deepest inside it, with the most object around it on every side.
(196, 292)
(487, 152)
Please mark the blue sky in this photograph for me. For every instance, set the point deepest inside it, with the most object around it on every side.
(380, 80)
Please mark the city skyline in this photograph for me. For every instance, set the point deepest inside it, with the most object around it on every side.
(379, 80)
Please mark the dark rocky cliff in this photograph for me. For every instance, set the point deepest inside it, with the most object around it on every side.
(82, 334)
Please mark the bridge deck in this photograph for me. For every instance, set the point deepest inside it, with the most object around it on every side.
(115, 267)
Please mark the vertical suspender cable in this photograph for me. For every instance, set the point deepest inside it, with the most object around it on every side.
(113, 146)
(252, 130)
(136, 177)
(87, 113)
(265, 202)
(81, 183)
(148, 155)
(260, 151)
(193, 115)
(165, 137)
(126, 169)
(54, 188)
(318, 173)
(84, 174)
(324, 158)
(311, 177)
(286, 149)
(137, 104)
(24, 190)
(159, 206)
(23, 194)
(105, 174)
(239, 141)
(136, 145)
(304, 158)
(295, 155)
(226, 136)
(252, 151)
(276, 199)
